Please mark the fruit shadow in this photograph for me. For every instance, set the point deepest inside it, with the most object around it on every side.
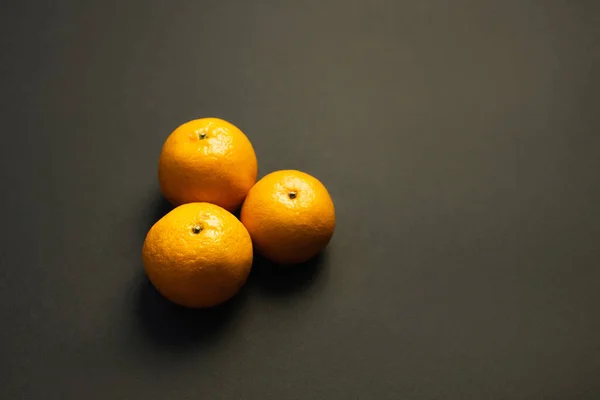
(157, 208)
(284, 281)
(167, 324)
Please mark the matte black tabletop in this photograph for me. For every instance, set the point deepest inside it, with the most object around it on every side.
(460, 141)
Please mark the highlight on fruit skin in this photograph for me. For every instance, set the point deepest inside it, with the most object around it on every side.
(199, 255)
(290, 216)
(207, 160)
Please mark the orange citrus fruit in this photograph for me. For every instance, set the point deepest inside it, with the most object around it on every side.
(207, 160)
(289, 215)
(198, 255)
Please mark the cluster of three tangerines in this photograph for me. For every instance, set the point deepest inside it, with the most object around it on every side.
(199, 254)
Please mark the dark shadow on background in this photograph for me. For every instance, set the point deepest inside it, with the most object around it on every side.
(158, 208)
(286, 280)
(174, 326)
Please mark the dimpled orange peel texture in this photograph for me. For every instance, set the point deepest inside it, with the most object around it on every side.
(207, 160)
(289, 215)
(198, 255)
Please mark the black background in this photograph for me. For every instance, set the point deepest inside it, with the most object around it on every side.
(459, 140)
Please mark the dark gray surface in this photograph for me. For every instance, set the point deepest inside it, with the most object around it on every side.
(459, 140)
